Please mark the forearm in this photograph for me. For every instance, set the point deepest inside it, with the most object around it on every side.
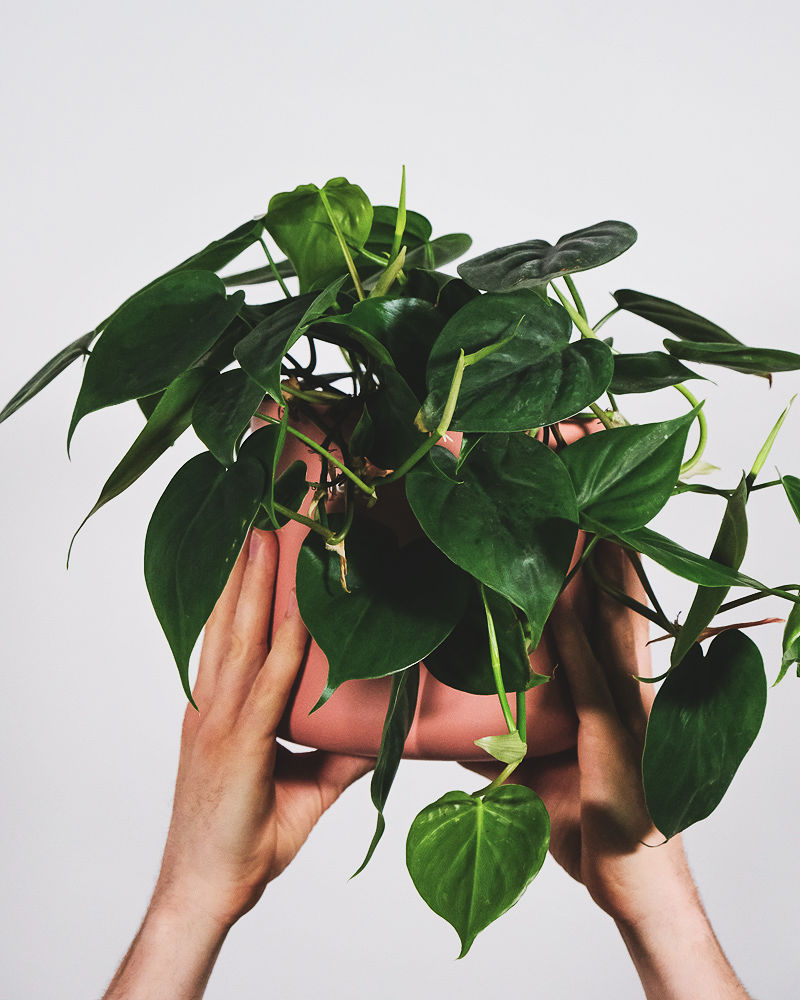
(171, 957)
(678, 957)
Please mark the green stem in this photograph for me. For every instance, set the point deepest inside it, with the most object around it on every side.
(400, 224)
(580, 321)
(350, 507)
(754, 597)
(702, 425)
(636, 560)
(316, 396)
(522, 720)
(607, 316)
(369, 490)
(274, 269)
(573, 291)
(587, 551)
(602, 415)
(351, 267)
(494, 653)
(302, 519)
(630, 602)
(501, 777)
(764, 486)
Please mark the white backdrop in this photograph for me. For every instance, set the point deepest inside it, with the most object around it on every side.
(135, 133)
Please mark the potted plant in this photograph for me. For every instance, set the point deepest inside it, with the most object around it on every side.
(428, 497)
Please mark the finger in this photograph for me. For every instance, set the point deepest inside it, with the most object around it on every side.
(216, 638)
(269, 694)
(328, 772)
(249, 630)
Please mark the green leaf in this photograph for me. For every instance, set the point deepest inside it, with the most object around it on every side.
(153, 338)
(507, 516)
(704, 719)
(439, 252)
(77, 349)
(454, 296)
(791, 486)
(195, 534)
(791, 643)
(169, 419)
(679, 321)
(647, 372)
(537, 378)
(223, 410)
(508, 748)
(407, 328)
(416, 232)
(220, 252)
(535, 262)
(748, 360)
(260, 353)
(259, 275)
(471, 859)
(402, 602)
(396, 726)
(463, 661)
(289, 490)
(729, 549)
(623, 477)
(392, 409)
(299, 223)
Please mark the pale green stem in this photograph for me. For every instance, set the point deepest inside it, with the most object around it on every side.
(603, 416)
(607, 316)
(400, 224)
(326, 533)
(497, 673)
(369, 490)
(581, 323)
(351, 267)
(274, 269)
(573, 291)
(507, 771)
(766, 448)
(702, 426)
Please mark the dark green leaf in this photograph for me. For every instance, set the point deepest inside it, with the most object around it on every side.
(535, 262)
(703, 721)
(623, 477)
(471, 859)
(402, 602)
(223, 410)
(454, 296)
(421, 284)
(791, 643)
(259, 275)
(193, 539)
(392, 409)
(463, 661)
(147, 404)
(439, 252)
(647, 371)
(77, 349)
(290, 489)
(536, 378)
(679, 321)
(507, 516)
(220, 252)
(170, 418)
(299, 223)
(399, 716)
(748, 360)
(729, 549)
(791, 485)
(153, 338)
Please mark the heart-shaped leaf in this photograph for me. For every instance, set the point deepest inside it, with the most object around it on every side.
(289, 490)
(223, 410)
(507, 516)
(463, 661)
(194, 536)
(791, 486)
(402, 602)
(679, 321)
(153, 338)
(748, 360)
(729, 549)
(396, 726)
(77, 349)
(472, 858)
(535, 262)
(791, 643)
(623, 477)
(299, 223)
(647, 372)
(704, 719)
(392, 411)
(537, 378)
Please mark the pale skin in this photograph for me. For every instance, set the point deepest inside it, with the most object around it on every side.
(244, 806)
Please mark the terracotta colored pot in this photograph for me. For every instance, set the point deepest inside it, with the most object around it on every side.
(447, 721)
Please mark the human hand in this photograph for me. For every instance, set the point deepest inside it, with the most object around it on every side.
(243, 804)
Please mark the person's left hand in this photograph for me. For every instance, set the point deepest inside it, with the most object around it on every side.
(244, 805)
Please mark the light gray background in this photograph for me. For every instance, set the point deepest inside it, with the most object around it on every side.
(135, 133)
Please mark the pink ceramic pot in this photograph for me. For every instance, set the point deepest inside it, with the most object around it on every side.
(447, 721)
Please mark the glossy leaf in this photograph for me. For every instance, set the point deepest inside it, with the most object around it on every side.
(535, 262)
(259, 275)
(220, 252)
(729, 549)
(472, 858)
(748, 360)
(704, 719)
(791, 486)
(508, 748)
(507, 516)
(151, 340)
(439, 252)
(223, 410)
(670, 316)
(260, 353)
(402, 602)
(416, 232)
(463, 661)
(169, 419)
(623, 477)
(791, 643)
(537, 378)
(392, 410)
(289, 490)
(195, 534)
(77, 349)
(299, 223)
(407, 328)
(647, 372)
(396, 726)
(454, 296)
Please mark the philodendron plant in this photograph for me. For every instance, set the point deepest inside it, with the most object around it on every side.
(501, 353)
